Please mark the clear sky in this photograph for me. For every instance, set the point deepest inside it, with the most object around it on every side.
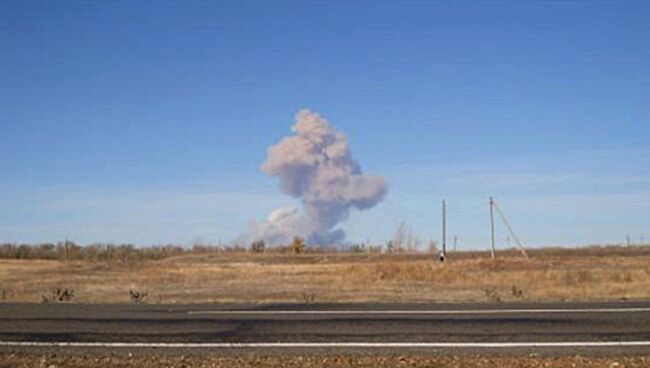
(146, 121)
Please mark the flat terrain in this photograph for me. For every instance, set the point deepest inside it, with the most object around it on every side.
(573, 275)
(378, 299)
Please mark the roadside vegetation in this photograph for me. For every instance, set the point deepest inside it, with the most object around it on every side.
(303, 274)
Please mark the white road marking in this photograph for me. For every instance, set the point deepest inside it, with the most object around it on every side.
(569, 344)
(422, 312)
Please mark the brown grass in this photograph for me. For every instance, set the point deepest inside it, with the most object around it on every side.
(305, 278)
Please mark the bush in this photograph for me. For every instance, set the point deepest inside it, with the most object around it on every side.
(393, 247)
(308, 298)
(258, 246)
(138, 296)
(298, 245)
(58, 295)
(517, 292)
(492, 294)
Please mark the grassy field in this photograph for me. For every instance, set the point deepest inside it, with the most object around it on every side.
(550, 275)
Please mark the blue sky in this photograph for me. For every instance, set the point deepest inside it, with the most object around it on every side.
(146, 122)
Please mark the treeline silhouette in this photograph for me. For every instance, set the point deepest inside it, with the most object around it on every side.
(130, 253)
(92, 252)
(102, 252)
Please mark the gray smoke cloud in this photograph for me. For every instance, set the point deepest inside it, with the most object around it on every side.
(315, 165)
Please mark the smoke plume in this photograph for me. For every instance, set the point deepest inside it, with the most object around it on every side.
(315, 165)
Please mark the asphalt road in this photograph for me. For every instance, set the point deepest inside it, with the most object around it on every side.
(593, 328)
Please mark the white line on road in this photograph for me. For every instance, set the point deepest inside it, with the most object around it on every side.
(570, 344)
(422, 312)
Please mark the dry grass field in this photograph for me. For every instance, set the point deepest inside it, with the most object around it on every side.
(550, 275)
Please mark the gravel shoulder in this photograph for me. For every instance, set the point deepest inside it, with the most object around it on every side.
(314, 361)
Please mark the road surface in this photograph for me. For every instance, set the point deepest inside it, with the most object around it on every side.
(593, 328)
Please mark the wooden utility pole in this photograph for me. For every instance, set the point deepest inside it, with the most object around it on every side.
(492, 250)
(444, 232)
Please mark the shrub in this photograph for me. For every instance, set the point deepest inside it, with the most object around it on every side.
(58, 295)
(492, 295)
(138, 296)
(258, 246)
(298, 245)
(517, 292)
(393, 247)
(308, 298)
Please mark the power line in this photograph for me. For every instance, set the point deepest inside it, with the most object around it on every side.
(492, 249)
(505, 221)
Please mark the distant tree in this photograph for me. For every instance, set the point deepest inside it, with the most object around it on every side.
(403, 240)
(258, 246)
(412, 242)
(400, 237)
(298, 245)
(433, 247)
(393, 247)
(358, 248)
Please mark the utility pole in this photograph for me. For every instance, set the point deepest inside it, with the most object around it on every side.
(492, 250)
(444, 231)
(455, 243)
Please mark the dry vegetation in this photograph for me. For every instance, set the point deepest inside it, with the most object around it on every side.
(23, 360)
(551, 275)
